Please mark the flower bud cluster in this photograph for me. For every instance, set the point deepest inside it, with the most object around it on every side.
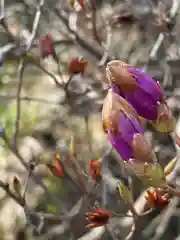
(133, 98)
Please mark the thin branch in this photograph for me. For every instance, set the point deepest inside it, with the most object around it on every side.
(29, 99)
(159, 41)
(35, 25)
(105, 55)
(104, 166)
(131, 233)
(26, 184)
(146, 212)
(34, 177)
(113, 237)
(22, 68)
(78, 38)
(18, 101)
(4, 23)
(156, 46)
(59, 68)
(81, 185)
(68, 42)
(2, 9)
(94, 21)
(49, 73)
(88, 132)
(18, 200)
(34, 30)
(67, 85)
(122, 215)
(94, 234)
(165, 219)
(30, 44)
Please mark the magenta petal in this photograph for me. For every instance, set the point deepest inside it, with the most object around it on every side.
(146, 97)
(128, 126)
(121, 146)
(143, 103)
(147, 83)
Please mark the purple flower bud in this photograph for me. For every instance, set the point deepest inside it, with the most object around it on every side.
(124, 129)
(137, 87)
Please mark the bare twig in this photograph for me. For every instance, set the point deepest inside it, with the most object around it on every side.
(26, 187)
(29, 99)
(81, 185)
(22, 68)
(34, 177)
(94, 21)
(78, 38)
(146, 212)
(67, 42)
(107, 44)
(94, 234)
(34, 61)
(59, 69)
(18, 101)
(133, 228)
(18, 200)
(35, 25)
(159, 41)
(156, 46)
(2, 9)
(29, 214)
(104, 193)
(67, 85)
(113, 237)
(88, 132)
(4, 23)
(166, 218)
(31, 169)
(122, 215)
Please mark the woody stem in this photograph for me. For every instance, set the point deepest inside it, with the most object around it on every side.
(133, 210)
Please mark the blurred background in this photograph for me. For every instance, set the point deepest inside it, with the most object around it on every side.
(50, 118)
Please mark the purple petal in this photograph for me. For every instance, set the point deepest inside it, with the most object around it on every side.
(121, 146)
(146, 97)
(147, 83)
(128, 126)
(143, 103)
(122, 142)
